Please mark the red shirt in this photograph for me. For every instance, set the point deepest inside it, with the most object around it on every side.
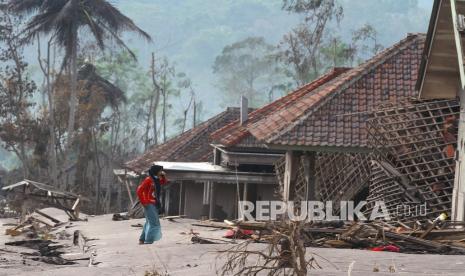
(146, 190)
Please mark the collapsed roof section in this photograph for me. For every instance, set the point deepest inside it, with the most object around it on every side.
(416, 144)
(48, 195)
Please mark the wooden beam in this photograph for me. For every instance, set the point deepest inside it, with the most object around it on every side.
(458, 198)
(126, 182)
(47, 216)
(309, 162)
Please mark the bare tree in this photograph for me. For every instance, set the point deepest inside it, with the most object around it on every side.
(46, 67)
(285, 253)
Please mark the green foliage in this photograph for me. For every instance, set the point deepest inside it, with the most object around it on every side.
(64, 20)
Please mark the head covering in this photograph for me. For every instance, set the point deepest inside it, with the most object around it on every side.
(154, 170)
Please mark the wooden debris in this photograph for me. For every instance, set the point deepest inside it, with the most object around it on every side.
(173, 217)
(212, 224)
(32, 191)
(47, 216)
(376, 236)
(199, 240)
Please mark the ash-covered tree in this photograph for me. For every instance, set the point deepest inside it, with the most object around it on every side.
(300, 48)
(337, 53)
(248, 67)
(365, 41)
(95, 95)
(20, 131)
(65, 21)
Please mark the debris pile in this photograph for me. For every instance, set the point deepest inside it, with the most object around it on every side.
(30, 194)
(46, 233)
(414, 161)
(36, 225)
(47, 251)
(378, 236)
(437, 237)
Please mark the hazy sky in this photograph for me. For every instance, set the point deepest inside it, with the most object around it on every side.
(193, 32)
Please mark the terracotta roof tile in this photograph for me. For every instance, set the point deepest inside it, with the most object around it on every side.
(233, 133)
(322, 116)
(190, 146)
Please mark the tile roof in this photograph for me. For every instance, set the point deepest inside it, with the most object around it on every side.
(235, 134)
(190, 146)
(321, 118)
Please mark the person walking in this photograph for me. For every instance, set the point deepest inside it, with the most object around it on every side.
(148, 193)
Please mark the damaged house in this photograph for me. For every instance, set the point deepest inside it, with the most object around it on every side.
(321, 128)
(316, 139)
(383, 130)
(198, 188)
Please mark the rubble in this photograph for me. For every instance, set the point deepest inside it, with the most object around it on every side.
(414, 161)
(28, 193)
(375, 236)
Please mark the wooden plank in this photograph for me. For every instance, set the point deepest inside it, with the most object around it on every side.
(47, 216)
(129, 191)
(217, 225)
(431, 244)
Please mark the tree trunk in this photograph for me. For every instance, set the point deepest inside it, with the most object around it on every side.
(164, 109)
(72, 103)
(51, 104)
(147, 128)
(99, 172)
(156, 89)
(194, 122)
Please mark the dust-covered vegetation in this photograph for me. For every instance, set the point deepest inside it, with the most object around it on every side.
(83, 88)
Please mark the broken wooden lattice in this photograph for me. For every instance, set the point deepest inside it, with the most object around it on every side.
(415, 147)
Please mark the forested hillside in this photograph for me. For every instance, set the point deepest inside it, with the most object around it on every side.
(203, 55)
(192, 33)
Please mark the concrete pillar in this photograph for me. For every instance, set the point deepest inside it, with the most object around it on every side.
(167, 201)
(206, 200)
(181, 198)
(212, 203)
(244, 193)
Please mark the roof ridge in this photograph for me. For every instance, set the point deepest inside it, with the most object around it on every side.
(344, 80)
(282, 101)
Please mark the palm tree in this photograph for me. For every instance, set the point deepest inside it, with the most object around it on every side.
(65, 21)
